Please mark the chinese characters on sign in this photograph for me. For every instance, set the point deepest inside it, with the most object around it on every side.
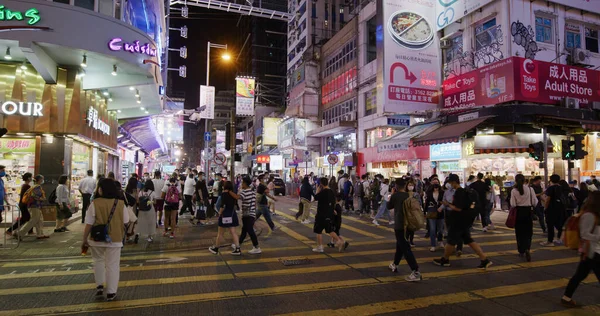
(399, 120)
(263, 159)
(96, 123)
(207, 102)
(448, 151)
(117, 44)
(244, 96)
(519, 79)
(339, 86)
(18, 145)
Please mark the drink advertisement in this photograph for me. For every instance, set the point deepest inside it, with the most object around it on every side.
(408, 56)
(520, 79)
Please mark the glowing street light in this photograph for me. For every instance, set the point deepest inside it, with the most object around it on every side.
(226, 57)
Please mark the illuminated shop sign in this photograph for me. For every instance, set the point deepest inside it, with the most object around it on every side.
(117, 44)
(32, 14)
(22, 108)
(96, 123)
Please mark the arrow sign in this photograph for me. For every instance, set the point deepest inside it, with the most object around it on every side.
(167, 260)
(408, 75)
(207, 136)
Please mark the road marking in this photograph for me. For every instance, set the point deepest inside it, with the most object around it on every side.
(347, 227)
(370, 309)
(443, 299)
(293, 271)
(292, 233)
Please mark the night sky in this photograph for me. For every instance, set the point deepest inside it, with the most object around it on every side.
(203, 26)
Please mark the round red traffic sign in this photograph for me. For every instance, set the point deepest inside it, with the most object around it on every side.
(220, 159)
(332, 159)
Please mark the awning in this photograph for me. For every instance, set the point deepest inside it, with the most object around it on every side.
(401, 140)
(143, 132)
(514, 143)
(450, 133)
(338, 127)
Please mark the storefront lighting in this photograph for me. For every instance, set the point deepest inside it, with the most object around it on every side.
(142, 108)
(139, 101)
(137, 93)
(110, 99)
(7, 56)
(118, 111)
(48, 135)
(114, 72)
(81, 73)
(105, 93)
(24, 66)
(84, 61)
(21, 134)
(147, 112)
(131, 88)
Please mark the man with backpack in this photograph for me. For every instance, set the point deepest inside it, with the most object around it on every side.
(363, 194)
(460, 216)
(398, 203)
(556, 209)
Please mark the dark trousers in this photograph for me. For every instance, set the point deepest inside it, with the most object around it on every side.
(248, 228)
(187, 205)
(553, 220)
(539, 211)
(365, 207)
(349, 203)
(524, 228)
(86, 203)
(583, 270)
(25, 217)
(403, 250)
(263, 210)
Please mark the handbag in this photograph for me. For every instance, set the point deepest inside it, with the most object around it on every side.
(201, 214)
(227, 220)
(432, 212)
(511, 220)
(145, 203)
(100, 232)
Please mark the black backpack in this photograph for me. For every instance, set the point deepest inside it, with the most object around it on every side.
(144, 203)
(473, 202)
(52, 197)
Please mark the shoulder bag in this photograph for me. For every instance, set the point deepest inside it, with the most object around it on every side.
(100, 232)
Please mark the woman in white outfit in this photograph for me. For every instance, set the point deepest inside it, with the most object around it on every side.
(106, 253)
(147, 218)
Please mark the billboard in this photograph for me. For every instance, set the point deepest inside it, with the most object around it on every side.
(207, 102)
(408, 56)
(449, 11)
(339, 86)
(587, 5)
(270, 125)
(520, 79)
(244, 96)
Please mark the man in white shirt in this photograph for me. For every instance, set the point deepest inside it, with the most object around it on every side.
(86, 188)
(189, 187)
(159, 185)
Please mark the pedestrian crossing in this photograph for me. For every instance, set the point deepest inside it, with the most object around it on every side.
(195, 280)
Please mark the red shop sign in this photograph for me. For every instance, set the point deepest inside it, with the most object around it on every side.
(263, 159)
(520, 79)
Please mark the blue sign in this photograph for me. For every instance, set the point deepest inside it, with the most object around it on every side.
(399, 120)
(448, 151)
(207, 136)
(161, 90)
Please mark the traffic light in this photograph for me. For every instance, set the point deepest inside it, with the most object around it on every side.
(567, 149)
(536, 151)
(228, 136)
(579, 152)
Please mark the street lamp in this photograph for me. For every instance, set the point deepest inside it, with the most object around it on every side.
(227, 57)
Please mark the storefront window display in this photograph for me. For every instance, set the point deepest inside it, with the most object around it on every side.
(18, 156)
(389, 169)
(341, 143)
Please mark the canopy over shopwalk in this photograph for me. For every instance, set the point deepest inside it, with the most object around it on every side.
(142, 132)
(401, 140)
(450, 133)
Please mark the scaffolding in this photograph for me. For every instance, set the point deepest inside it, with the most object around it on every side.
(227, 6)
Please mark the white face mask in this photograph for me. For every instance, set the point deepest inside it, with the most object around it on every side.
(448, 186)
(410, 188)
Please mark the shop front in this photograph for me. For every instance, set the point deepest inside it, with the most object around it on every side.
(393, 163)
(18, 155)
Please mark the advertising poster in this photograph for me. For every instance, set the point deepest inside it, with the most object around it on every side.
(447, 151)
(449, 11)
(270, 131)
(520, 79)
(207, 102)
(244, 96)
(408, 56)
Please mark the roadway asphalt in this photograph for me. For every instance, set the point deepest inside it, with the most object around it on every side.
(180, 277)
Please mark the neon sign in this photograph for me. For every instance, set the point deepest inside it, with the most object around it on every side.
(117, 44)
(7, 15)
(95, 122)
(22, 108)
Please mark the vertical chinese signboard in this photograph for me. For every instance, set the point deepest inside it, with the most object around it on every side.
(244, 96)
(407, 56)
(207, 102)
(520, 79)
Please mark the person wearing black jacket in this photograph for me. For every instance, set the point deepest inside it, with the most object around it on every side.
(306, 196)
(555, 210)
(435, 214)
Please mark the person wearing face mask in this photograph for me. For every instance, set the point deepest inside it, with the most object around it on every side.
(449, 197)
(435, 214)
(34, 198)
(410, 189)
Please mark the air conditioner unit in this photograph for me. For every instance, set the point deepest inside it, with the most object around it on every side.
(570, 103)
(578, 55)
(445, 43)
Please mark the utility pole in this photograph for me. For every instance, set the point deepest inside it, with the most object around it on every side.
(545, 140)
(232, 145)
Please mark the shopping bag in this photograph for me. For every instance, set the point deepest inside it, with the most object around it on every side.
(512, 217)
